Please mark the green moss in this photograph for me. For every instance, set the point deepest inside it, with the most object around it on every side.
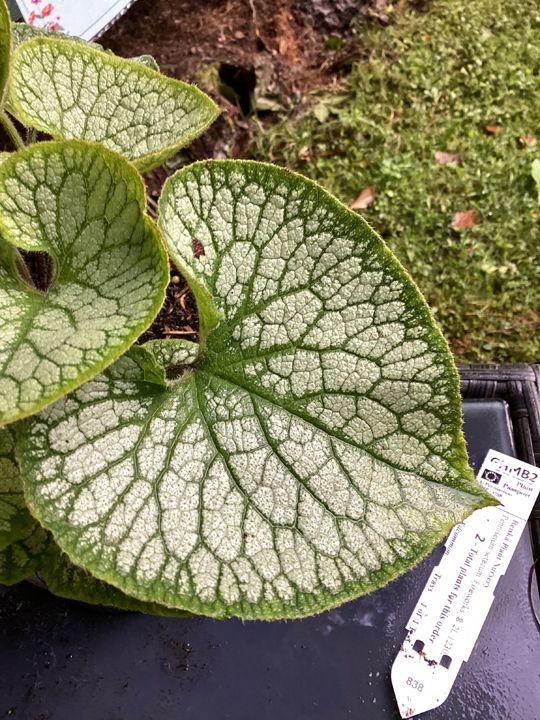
(431, 83)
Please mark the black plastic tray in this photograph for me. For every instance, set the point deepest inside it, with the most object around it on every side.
(62, 662)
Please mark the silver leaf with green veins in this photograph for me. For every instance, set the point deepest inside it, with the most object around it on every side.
(84, 205)
(155, 356)
(312, 453)
(15, 520)
(75, 91)
(173, 352)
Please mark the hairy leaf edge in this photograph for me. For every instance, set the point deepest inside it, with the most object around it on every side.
(149, 224)
(143, 163)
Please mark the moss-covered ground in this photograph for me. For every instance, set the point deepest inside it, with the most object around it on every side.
(462, 78)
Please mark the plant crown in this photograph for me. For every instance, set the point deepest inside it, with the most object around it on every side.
(307, 450)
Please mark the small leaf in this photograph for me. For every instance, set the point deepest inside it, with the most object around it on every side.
(84, 205)
(153, 372)
(465, 220)
(444, 158)
(494, 129)
(146, 60)
(535, 172)
(267, 104)
(68, 581)
(15, 520)
(75, 91)
(321, 112)
(334, 43)
(366, 197)
(5, 50)
(23, 557)
(22, 32)
(173, 352)
(314, 450)
(156, 355)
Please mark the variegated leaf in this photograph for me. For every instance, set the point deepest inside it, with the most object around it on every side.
(310, 454)
(173, 353)
(84, 205)
(156, 356)
(22, 32)
(75, 91)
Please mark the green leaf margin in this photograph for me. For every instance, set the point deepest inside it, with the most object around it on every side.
(139, 197)
(5, 50)
(79, 52)
(15, 518)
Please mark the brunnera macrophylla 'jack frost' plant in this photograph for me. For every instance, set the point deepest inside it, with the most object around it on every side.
(307, 450)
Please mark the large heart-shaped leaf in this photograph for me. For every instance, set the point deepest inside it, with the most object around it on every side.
(84, 205)
(75, 91)
(15, 520)
(312, 453)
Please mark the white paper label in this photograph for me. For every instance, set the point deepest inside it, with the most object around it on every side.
(75, 17)
(447, 619)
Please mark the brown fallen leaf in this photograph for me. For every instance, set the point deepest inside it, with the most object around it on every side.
(366, 197)
(443, 158)
(465, 220)
(495, 129)
(527, 140)
(304, 153)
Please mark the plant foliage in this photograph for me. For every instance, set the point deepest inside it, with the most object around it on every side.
(75, 91)
(84, 205)
(430, 83)
(308, 449)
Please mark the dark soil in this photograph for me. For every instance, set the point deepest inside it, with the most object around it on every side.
(178, 318)
(186, 36)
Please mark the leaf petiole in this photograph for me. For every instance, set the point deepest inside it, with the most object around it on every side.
(11, 130)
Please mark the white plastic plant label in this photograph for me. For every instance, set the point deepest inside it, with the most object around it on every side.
(75, 17)
(451, 611)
